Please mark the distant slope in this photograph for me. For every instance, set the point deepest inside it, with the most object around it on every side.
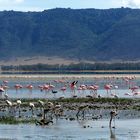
(85, 34)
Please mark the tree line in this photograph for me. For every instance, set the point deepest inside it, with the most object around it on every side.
(74, 67)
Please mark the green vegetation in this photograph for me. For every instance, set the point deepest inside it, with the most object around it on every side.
(13, 120)
(99, 100)
(84, 34)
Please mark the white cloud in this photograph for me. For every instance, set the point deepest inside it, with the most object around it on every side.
(18, 1)
(26, 9)
(19, 5)
(12, 2)
(131, 3)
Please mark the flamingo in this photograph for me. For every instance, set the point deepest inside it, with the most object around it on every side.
(40, 87)
(5, 82)
(79, 88)
(95, 88)
(9, 104)
(51, 86)
(31, 105)
(114, 95)
(19, 104)
(73, 86)
(6, 96)
(127, 94)
(41, 103)
(63, 89)
(30, 87)
(90, 88)
(134, 88)
(115, 88)
(18, 86)
(1, 91)
(136, 93)
(83, 88)
(57, 110)
(5, 87)
(107, 87)
(46, 87)
(113, 113)
(50, 105)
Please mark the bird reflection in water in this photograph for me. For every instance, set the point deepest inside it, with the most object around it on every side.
(112, 134)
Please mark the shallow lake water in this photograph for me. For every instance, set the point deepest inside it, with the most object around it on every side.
(73, 130)
(126, 128)
(35, 80)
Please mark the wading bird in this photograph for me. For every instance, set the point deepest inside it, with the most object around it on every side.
(18, 105)
(113, 113)
(9, 104)
(1, 91)
(31, 105)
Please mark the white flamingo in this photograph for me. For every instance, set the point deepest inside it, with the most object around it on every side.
(19, 104)
(31, 105)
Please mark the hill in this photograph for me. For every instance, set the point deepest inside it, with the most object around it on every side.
(80, 34)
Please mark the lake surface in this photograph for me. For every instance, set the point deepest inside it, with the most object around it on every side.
(60, 81)
(73, 130)
(126, 127)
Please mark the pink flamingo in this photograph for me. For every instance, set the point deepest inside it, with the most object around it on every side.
(84, 87)
(90, 88)
(29, 87)
(108, 87)
(63, 89)
(73, 87)
(61, 81)
(127, 94)
(5, 87)
(40, 87)
(114, 95)
(136, 93)
(79, 90)
(46, 87)
(5, 82)
(95, 88)
(56, 81)
(51, 87)
(18, 86)
(134, 88)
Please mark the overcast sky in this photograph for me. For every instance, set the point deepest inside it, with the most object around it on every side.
(40, 5)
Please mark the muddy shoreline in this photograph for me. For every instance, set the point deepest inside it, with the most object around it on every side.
(93, 108)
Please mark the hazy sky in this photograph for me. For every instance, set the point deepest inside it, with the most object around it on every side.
(40, 5)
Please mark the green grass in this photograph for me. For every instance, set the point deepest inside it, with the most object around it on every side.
(101, 100)
(13, 120)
